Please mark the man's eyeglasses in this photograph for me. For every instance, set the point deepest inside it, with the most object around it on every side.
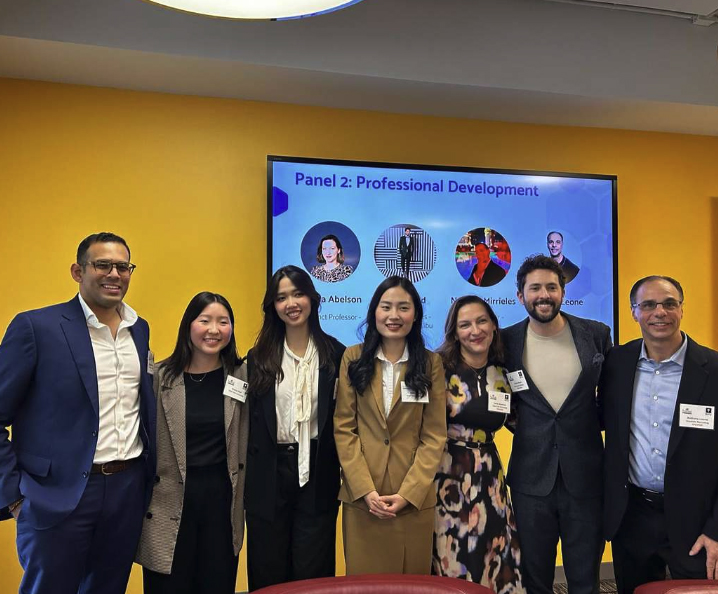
(650, 305)
(106, 266)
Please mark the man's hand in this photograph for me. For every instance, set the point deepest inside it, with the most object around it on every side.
(711, 547)
(377, 506)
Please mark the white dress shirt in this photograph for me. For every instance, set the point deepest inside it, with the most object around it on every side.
(390, 376)
(296, 403)
(118, 384)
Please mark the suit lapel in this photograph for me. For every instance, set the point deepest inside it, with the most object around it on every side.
(585, 351)
(74, 326)
(397, 389)
(325, 392)
(230, 406)
(174, 405)
(268, 403)
(376, 388)
(624, 386)
(690, 391)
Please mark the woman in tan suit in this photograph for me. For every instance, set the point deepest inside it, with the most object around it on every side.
(390, 430)
(193, 530)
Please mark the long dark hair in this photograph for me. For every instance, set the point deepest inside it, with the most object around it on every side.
(181, 357)
(361, 371)
(450, 349)
(269, 346)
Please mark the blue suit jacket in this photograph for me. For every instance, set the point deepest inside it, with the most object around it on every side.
(49, 395)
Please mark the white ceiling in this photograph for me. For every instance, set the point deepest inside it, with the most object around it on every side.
(567, 62)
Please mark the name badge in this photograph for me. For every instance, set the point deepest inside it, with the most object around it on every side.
(235, 388)
(409, 395)
(150, 363)
(517, 381)
(499, 402)
(697, 416)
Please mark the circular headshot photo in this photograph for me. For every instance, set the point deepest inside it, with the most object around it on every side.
(405, 250)
(556, 248)
(483, 257)
(330, 252)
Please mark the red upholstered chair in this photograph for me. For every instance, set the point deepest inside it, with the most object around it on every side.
(378, 584)
(679, 587)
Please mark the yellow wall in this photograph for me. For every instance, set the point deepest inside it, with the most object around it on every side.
(183, 180)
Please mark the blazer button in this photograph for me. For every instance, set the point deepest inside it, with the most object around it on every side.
(94, 434)
(157, 479)
(386, 442)
(148, 515)
(555, 446)
(85, 474)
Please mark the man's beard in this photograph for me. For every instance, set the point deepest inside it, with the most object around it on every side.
(543, 318)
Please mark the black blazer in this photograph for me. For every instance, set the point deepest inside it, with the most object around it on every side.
(492, 275)
(691, 479)
(544, 439)
(260, 486)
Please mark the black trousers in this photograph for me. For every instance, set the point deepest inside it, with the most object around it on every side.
(405, 260)
(297, 544)
(204, 560)
(541, 521)
(642, 551)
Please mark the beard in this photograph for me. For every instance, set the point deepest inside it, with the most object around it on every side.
(544, 318)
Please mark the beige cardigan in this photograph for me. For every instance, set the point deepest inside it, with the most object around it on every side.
(161, 523)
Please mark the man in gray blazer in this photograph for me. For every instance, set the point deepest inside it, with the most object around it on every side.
(554, 362)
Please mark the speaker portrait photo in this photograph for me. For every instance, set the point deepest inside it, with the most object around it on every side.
(554, 243)
(483, 257)
(330, 252)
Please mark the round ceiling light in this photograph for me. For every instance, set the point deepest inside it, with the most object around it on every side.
(257, 9)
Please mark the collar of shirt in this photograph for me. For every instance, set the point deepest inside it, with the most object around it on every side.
(404, 356)
(128, 315)
(679, 357)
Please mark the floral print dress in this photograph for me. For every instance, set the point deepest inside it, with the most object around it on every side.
(474, 529)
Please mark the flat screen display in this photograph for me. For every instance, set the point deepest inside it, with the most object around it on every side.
(451, 231)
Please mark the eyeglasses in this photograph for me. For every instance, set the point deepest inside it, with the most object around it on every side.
(106, 266)
(650, 305)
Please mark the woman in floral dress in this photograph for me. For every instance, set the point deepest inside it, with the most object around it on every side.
(474, 530)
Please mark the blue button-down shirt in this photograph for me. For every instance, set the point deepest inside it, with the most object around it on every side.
(655, 390)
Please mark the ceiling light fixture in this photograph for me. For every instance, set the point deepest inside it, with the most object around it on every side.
(257, 9)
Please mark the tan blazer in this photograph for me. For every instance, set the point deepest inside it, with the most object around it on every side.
(395, 454)
(161, 523)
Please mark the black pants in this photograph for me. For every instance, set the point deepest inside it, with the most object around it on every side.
(296, 544)
(405, 260)
(204, 560)
(641, 550)
(541, 521)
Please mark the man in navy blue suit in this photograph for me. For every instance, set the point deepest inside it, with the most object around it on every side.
(75, 386)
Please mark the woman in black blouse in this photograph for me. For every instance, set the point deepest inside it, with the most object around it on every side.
(193, 530)
(474, 530)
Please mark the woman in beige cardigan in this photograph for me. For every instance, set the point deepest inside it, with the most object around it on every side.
(193, 530)
(390, 430)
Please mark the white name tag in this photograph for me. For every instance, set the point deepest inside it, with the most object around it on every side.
(150, 363)
(499, 402)
(517, 381)
(697, 416)
(409, 395)
(235, 388)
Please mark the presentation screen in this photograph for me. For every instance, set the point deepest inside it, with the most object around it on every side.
(451, 231)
